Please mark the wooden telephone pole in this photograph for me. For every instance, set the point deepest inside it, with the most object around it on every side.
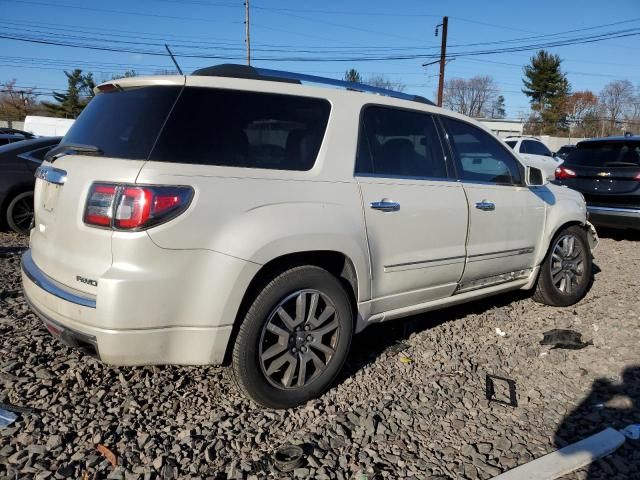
(443, 57)
(247, 36)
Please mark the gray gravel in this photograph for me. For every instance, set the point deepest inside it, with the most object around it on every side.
(410, 403)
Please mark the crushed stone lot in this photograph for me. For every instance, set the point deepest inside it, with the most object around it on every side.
(411, 402)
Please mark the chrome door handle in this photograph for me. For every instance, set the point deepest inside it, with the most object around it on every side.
(486, 206)
(385, 206)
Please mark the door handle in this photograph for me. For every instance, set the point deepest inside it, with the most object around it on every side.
(486, 206)
(385, 206)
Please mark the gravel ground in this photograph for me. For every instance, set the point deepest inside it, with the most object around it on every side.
(411, 402)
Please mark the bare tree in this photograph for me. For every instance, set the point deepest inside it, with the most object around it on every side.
(616, 100)
(582, 109)
(381, 81)
(16, 103)
(474, 97)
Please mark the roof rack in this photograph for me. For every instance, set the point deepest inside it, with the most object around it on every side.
(232, 70)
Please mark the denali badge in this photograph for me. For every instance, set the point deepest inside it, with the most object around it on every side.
(604, 174)
(88, 281)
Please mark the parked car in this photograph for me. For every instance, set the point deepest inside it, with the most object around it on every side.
(564, 151)
(11, 135)
(607, 172)
(534, 153)
(238, 216)
(18, 163)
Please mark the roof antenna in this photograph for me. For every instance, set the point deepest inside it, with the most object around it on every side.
(174, 59)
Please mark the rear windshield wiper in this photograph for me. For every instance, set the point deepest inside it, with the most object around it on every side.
(71, 149)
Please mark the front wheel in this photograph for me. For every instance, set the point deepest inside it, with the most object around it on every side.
(294, 338)
(565, 273)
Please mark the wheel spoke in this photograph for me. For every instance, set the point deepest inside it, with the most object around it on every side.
(274, 350)
(289, 322)
(317, 362)
(302, 372)
(313, 305)
(277, 363)
(327, 328)
(323, 348)
(277, 330)
(301, 308)
(567, 278)
(324, 316)
(287, 378)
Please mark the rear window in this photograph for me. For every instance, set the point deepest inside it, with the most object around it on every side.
(123, 124)
(603, 154)
(243, 129)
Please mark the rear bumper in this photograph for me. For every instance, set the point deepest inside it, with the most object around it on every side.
(79, 323)
(614, 217)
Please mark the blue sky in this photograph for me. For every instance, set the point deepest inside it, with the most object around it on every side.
(287, 34)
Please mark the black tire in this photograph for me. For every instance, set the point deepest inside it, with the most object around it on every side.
(550, 292)
(20, 213)
(249, 368)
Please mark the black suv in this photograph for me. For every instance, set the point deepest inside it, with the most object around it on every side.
(607, 172)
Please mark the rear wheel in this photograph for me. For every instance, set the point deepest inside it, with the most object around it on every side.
(20, 213)
(294, 338)
(566, 272)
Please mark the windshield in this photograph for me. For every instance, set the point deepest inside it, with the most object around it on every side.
(603, 154)
(123, 124)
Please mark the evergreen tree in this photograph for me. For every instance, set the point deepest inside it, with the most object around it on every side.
(547, 88)
(498, 109)
(79, 92)
(353, 75)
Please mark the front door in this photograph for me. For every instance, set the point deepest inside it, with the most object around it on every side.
(506, 218)
(415, 212)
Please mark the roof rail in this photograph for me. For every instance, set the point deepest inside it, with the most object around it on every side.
(244, 71)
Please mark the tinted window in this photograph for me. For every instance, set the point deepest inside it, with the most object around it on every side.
(481, 157)
(243, 129)
(535, 148)
(123, 124)
(399, 143)
(602, 154)
(511, 143)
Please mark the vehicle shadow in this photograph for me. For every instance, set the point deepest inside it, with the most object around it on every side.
(613, 405)
(375, 340)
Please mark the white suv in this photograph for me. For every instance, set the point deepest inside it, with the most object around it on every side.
(237, 215)
(535, 153)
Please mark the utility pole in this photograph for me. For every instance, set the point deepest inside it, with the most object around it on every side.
(247, 36)
(443, 56)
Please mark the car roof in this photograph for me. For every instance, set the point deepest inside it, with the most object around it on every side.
(612, 139)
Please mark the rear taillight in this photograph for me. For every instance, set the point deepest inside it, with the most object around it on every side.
(132, 207)
(564, 172)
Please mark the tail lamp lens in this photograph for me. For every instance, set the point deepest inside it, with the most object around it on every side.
(130, 207)
(564, 172)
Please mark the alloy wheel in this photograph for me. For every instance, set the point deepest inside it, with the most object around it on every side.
(567, 264)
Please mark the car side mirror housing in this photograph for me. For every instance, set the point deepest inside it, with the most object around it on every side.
(535, 177)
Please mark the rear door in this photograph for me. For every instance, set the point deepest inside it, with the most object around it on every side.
(415, 211)
(506, 218)
(121, 126)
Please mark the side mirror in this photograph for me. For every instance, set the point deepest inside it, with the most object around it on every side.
(535, 177)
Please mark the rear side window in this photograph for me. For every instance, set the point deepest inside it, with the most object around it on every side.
(399, 143)
(123, 124)
(603, 154)
(482, 158)
(243, 129)
(511, 143)
(535, 148)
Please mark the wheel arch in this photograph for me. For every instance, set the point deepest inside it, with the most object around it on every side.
(337, 263)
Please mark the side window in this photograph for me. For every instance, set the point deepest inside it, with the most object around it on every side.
(511, 143)
(536, 148)
(523, 147)
(399, 143)
(243, 129)
(482, 158)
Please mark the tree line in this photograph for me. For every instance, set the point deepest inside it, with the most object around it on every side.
(555, 108)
